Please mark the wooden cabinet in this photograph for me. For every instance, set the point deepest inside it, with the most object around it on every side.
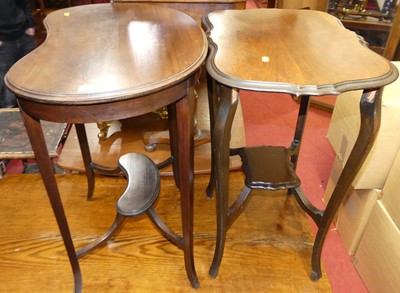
(293, 4)
(392, 50)
(298, 4)
(372, 20)
(374, 32)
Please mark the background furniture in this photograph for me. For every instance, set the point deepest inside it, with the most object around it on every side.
(293, 4)
(97, 85)
(194, 8)
(373, 20)
(392, 50)
(14, 142)
(126, 136)
(304, 65)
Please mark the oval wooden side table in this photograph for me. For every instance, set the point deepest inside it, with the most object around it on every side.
(130, 59)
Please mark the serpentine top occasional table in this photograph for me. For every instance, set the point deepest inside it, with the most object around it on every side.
(106, 62)
(302, 53)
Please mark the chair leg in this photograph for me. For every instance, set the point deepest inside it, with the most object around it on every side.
(119, 219)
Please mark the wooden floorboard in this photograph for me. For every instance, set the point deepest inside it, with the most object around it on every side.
(268, 248)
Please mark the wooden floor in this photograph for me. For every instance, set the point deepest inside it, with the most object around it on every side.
(268, 248)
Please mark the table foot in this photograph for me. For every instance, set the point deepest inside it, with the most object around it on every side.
(213, 272)
(315, 275)
(210, 187)
(195, 282)
(179, 242)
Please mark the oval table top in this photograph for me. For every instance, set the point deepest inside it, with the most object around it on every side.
(102, 52)
(291, 51)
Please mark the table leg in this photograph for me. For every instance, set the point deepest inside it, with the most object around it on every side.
(370, 108)
(300, 124)
(182, 144)
(87, 160)
(221, 135)
(174, 142)
(36, 137)
(213, 106)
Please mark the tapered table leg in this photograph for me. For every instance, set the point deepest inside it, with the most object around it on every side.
(182, 152)
(228, 101)
(36, 137)
(87, 160)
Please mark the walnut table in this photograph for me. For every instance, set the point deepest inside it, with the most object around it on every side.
(299, 52)
(107, 62)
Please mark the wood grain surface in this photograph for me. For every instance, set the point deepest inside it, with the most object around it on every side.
(125, 51)
(301, 52)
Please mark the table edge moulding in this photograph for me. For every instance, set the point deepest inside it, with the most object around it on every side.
(300, 53)
(104, 81)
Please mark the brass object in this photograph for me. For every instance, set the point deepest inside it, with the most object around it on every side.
(162, 112)
(357, 8)
(103, 127)
(152, 138)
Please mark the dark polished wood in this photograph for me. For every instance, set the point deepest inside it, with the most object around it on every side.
(263, 167)
(141, 192)
(295, 52)
(129, 60)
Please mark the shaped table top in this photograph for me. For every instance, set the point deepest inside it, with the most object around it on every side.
(301, 52)
(101, 52)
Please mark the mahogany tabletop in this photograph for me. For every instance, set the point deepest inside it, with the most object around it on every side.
(109, 52)
(292, 51)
